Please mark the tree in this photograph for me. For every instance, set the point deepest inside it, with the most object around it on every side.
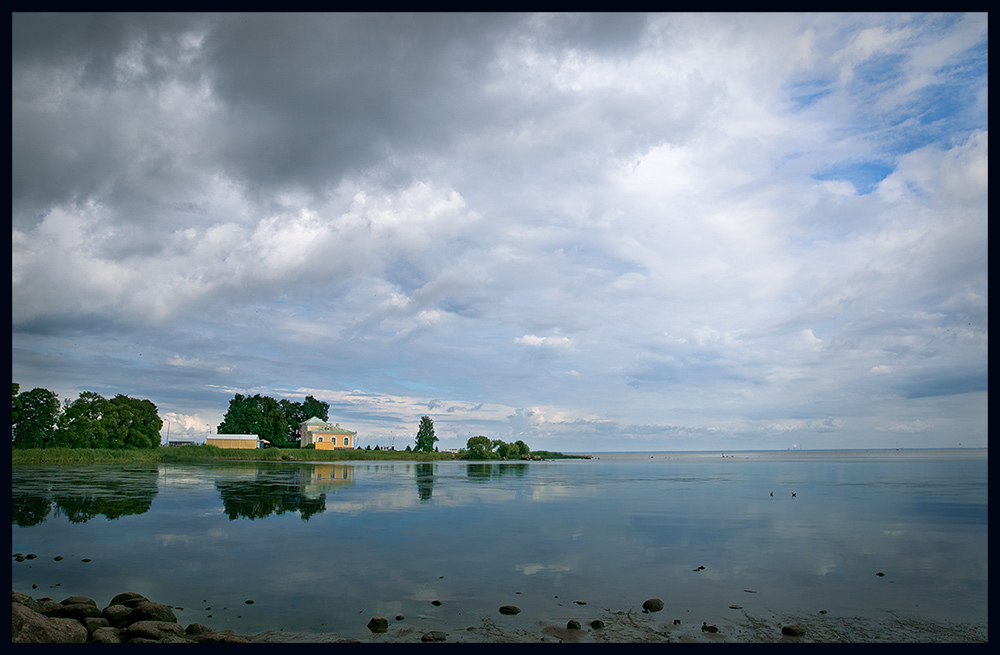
(34, 415)
(425, 435)
(260, 415)
(131, 423)
(295, 413)
(479, 447)
(81, 424)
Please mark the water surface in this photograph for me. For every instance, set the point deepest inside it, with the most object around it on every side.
(323, 547)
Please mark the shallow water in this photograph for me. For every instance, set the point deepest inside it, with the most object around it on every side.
(324, 547)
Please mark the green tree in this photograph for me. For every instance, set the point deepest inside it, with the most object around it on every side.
(479, 447)
(131, 423)
(425, 435)
(295, 413)
(81, 423)
(260, 415)
(522, 448)
(34, 415)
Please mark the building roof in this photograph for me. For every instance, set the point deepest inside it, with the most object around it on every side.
(232, 436)
(326, 427)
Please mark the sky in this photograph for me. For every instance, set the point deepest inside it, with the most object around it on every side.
(590, 232)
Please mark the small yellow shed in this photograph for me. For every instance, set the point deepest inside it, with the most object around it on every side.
(249, 441)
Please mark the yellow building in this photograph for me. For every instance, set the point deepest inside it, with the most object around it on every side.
(234, 441)
(326, 435)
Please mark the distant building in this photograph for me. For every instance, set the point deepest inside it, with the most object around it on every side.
(248, 441)
(326, 435)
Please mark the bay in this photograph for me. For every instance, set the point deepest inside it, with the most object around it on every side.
(322, 547)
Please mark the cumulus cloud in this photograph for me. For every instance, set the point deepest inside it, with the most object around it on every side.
(668, 230)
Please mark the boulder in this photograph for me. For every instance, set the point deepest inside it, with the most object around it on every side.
(30, 627)
(105, 636)
(652, 605)
(510, 610)
(597, 624)
(79, 600)
(793, 630)
(92, 623)
(572, 624)
(434, 635)
(378, 624)
(116, 615)
(158, 630)
(129, 599)
(79, 611)
(147, 610)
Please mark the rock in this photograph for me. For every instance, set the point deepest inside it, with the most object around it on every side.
(434, 635)
(94, 623)
(79, 611)
(572, 624)
(597, 624)
(147, 610)
(708, 628)
(79, 600)
(436, 603)
(116, 614)
(220, 637)
(105, 636)
(157, 630)
(195, 629)
(129, 599)
(48, 607)
(30, 627)
(793, 630)
(652, 605)
(378, 624)
(510, 610)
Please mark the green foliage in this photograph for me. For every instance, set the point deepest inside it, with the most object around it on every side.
(90, 421)
(278, 422)
(425, 436)
(481, 447)
(34, 414)
(295, 413)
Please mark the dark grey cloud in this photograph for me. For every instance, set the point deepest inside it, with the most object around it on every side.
(663, 227)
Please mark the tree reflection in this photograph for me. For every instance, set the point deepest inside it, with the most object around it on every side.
(425, 480)
(485, 472)
(81, 498)
(268, 491)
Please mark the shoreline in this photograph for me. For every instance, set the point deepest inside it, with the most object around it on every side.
(507, 625)
(637, 628)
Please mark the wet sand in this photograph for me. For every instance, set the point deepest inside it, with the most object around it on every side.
(639, 627)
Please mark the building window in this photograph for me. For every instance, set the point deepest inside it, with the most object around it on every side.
(347, 441)
(320, 439)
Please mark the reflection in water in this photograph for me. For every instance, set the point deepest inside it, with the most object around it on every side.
(80, 497)
(484, 472)
(425, 480)
(269, 490)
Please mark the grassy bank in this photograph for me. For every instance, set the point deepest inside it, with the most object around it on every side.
(209, 453)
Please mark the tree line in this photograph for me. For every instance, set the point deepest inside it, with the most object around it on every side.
(277, 421)
(39, 420)
(481, 447)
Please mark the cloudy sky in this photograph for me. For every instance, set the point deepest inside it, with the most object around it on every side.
(589, 232)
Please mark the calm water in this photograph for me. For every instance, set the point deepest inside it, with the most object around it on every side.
(323, 547)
